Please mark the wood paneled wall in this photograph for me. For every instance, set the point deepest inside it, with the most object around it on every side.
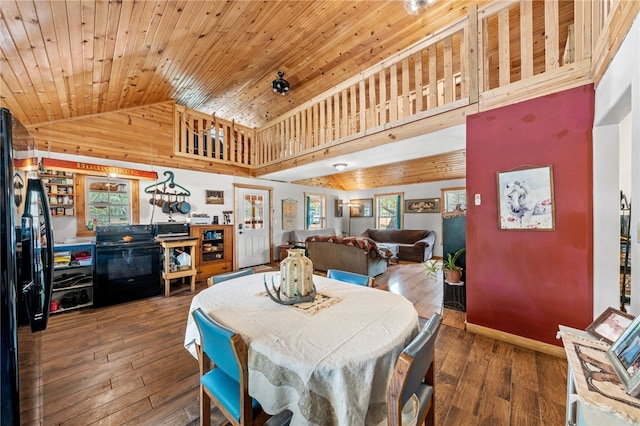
(142, 135)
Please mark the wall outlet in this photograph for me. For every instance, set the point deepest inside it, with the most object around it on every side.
(477, 200)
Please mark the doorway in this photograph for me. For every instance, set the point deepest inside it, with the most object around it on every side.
(253, 225)
(612, 188)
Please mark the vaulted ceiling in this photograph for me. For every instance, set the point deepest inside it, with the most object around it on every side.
(65, 59)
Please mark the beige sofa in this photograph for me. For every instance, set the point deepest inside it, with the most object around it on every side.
(359, 255)
(413, 245)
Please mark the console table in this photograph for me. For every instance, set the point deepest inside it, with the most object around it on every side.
(595, 396)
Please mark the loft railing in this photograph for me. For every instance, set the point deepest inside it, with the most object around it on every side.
(500, 54)
(426, 79)
(206, 137)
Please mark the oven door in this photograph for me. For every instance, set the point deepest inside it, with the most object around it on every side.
(126, 272)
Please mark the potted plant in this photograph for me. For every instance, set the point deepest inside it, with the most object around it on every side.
(452, 272)
(433, 266)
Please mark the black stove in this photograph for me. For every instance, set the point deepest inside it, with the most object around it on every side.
(128, 264)
(124, 235)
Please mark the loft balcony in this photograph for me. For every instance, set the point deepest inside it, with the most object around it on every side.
(500, 54)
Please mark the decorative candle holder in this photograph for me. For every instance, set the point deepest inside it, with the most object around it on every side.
(296, 280)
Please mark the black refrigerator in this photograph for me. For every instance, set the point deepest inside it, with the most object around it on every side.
(26, 259)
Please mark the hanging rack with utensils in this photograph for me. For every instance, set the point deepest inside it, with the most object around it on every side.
(169, 193)
(167, 187)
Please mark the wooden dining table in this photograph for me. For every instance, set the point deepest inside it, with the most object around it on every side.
(328, 361)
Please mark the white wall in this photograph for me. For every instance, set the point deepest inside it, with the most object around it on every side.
(198, 182)
(617, 99)
(429, 221)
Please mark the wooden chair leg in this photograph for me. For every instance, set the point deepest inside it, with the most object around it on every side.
(430, 419)
(205, 408)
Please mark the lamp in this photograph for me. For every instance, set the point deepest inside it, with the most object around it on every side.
(413, 6)
(280, 85)
(340, 166)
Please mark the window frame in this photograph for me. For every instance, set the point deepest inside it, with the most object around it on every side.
(323, 214)
(400, 212)
(445, 194)
(82, 203)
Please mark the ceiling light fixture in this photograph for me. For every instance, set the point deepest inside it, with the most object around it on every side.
(280, 85)
(413, 6)
(340, 166)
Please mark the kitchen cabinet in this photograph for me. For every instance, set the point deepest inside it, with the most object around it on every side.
(214, 250)
(72, 277)
(61, 191)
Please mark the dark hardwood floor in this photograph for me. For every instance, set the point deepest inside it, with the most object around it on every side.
(125, 365)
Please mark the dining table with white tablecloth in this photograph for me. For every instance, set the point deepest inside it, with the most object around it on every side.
(328, 361)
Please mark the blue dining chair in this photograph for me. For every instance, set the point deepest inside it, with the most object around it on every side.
(216, 279)
(224, 378)
(414, 375)
(350, 277)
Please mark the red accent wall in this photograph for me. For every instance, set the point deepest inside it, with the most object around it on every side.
(528, 282)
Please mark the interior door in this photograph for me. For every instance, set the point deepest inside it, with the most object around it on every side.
(253, 227)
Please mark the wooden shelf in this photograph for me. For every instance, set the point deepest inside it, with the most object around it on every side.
(212, 262)
(60, 199)
(84, 268)
(167, 274)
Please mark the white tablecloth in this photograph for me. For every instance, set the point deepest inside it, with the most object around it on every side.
(332, 367)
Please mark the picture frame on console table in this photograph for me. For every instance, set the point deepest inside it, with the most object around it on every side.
(610, 325)
(624, 355)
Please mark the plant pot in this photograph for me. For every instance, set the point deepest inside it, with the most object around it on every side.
(452, 275)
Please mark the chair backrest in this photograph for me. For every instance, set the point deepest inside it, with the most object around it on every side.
(230, 275)
(350, 277)
(223, 346)
(413, 369)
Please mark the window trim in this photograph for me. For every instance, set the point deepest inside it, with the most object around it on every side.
(443, 197)
(81, 204)
(376, 198)
(323, 214)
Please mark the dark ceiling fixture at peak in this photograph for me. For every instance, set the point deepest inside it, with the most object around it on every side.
(280, 85)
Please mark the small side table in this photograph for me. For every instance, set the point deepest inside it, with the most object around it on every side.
(167, 273)
(282, 251)
(454, 296)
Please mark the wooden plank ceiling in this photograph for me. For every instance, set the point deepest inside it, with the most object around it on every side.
(451, 165)
(66, 59)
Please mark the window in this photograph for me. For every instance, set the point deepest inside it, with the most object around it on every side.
(108, 202)
(315, 211)
(253, 206)
(452, 198)
(388, 211)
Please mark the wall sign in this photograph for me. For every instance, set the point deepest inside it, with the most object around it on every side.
(96, 169)
(289, 213)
